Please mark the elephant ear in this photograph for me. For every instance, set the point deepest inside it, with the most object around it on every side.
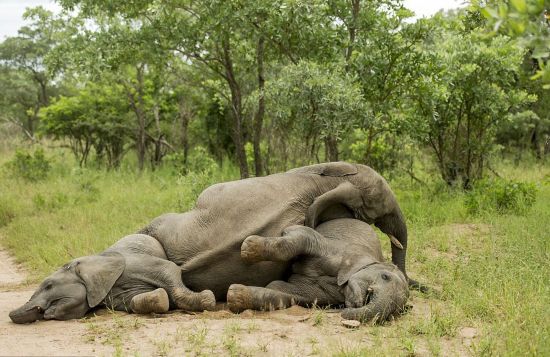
(333, 169)
(99, 273)
(351, 264)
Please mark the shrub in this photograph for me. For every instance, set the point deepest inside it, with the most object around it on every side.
(31, 167)
(199, 161)
(501, 196)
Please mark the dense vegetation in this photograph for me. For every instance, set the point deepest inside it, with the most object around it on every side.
(114, 112)
(272, 85)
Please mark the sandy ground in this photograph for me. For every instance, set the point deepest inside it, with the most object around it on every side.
(293, 332)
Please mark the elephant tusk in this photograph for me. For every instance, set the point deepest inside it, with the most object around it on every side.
(395, 241)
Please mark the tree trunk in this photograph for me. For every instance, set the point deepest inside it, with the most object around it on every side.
(158, 154)
(331, 144)
(184, 119)
(259, 117)
(138, 106)
(352, 29)
(236, 106)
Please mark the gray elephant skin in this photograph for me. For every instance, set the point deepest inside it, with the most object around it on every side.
(227, 213)
(206, 241)
(339, 262)
(132, 275)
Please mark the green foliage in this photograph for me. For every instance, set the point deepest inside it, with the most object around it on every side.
(94, 119)
(312, 103)
(501, 196)
(25, 78)
(529, 22)
(469, 86)
(31, 167)
(199, 161)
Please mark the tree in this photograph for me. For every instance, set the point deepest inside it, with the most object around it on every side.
(315, 104)
(529, 22)
(97, 118)
(469, 86)
(120, 51)
(25, 73)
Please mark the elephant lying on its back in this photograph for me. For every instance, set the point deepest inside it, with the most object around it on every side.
(339, 262)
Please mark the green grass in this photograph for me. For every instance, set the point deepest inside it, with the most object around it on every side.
(76, 212)
(489, 271)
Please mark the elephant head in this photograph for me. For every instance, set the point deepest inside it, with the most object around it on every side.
(373, 291)
(72, 290)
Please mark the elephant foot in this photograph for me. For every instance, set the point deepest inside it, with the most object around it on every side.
(208, 300)
(239, 298)
(191, 301)
(155, 301)
(253, 250)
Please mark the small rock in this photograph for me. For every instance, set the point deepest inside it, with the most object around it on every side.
(351, 323)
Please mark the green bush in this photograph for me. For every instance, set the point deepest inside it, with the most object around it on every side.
(31, 167)
(501, 196)
(198, 161)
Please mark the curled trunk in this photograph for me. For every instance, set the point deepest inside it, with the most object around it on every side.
(377, 310)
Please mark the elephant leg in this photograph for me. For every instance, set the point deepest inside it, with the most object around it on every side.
(296, 240)
(155, 301)
(345, 194)
(299, 290)
(242, 297)
(167, 275)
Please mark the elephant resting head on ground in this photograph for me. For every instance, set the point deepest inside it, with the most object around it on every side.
(132, 275)
(339, 263)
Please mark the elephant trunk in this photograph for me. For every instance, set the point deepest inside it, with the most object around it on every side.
(378, 309)
(27, 313)
(393, 224)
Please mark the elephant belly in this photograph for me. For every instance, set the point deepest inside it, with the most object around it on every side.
(218, 276)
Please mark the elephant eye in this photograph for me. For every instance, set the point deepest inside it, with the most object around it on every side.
(48, 287)
(385, 276)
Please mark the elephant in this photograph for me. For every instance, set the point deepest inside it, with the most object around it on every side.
(132, 275)
(204, 244)
(204, 239)
(339, 262)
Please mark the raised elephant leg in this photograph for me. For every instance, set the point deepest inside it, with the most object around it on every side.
(296, 240)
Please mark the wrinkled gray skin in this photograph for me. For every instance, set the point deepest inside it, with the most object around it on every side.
(132, 275)
(340, 263)
(206, 240)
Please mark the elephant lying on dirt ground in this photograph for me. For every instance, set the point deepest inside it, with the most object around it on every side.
(342, 263)
(339, 262)
(132, 275)
(227, 213)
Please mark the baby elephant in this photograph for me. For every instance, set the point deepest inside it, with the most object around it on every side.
(341, 262)
(132, 275)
